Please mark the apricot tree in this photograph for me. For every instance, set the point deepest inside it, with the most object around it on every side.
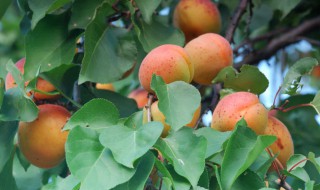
(159, 94)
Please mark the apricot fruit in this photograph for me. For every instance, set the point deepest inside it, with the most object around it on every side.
(209, 53)
(140, 95)
(233, 107)
(42, 141)
(41, 85)
(10, 83)
(107, 86)
(157, 115)
(284, 144)
(197, 17)
(171, 62)
(316, 71)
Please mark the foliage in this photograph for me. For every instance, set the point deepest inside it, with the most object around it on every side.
(76, 44)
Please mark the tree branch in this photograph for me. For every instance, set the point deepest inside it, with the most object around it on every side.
(240, 10)
(277, 43)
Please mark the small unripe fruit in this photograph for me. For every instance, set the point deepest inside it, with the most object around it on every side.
(233, 107)
(284, 144)
(42, 141)
(107, 86)
(157, 115)
(171, 62)
(196, 17)
(140, 96)
(209, 53)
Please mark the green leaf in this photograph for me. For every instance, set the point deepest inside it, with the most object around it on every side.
(291, 82)
(109, 51)
(249, 181)
(138, 181)
(125, 105)
(30, 179)
(245, 146)
(97, 114)
(262, 164)
(177, 145)
(17, 106)
(309, 185)
(49, 45)
(177, 101)
(315, 161)
(179, 182)
(298, 173)
(315, 103)
(135, 120)
(147, 8)
(7, 132)
(83, 12)
(204, 179)
(215, 139)
(40, 8)
(91, 163)
(129, 144)
(249, 79)
(6, 177)
(295, 159)
(59, 183)
(161, 168)
(285, 6)
(155, 34)
(4, 6)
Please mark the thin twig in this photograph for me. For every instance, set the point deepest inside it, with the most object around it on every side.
(240, 10)
(277, 43)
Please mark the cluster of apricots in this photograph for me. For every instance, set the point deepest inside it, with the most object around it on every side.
(200, 60)
(42, 141)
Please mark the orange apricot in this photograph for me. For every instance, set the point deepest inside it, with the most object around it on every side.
(197, 17)
(42, 141)
(233, 107)
(284, 144)
(209, 53)
(171, 62)
(41, 85)
(107, 86)
(140, 95)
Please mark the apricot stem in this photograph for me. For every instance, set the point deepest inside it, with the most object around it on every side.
(281, 108)
(276, 163)
(275, 97)
(148, 106)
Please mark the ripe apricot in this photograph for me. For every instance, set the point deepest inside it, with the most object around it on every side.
(196, 17)
(140, 95)
(157, 115)
(41, 85)
(209, 53)
(284, 144)
(107, 86)
(169, 61)
(42, 140)
(10, 83)
(233, 107)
